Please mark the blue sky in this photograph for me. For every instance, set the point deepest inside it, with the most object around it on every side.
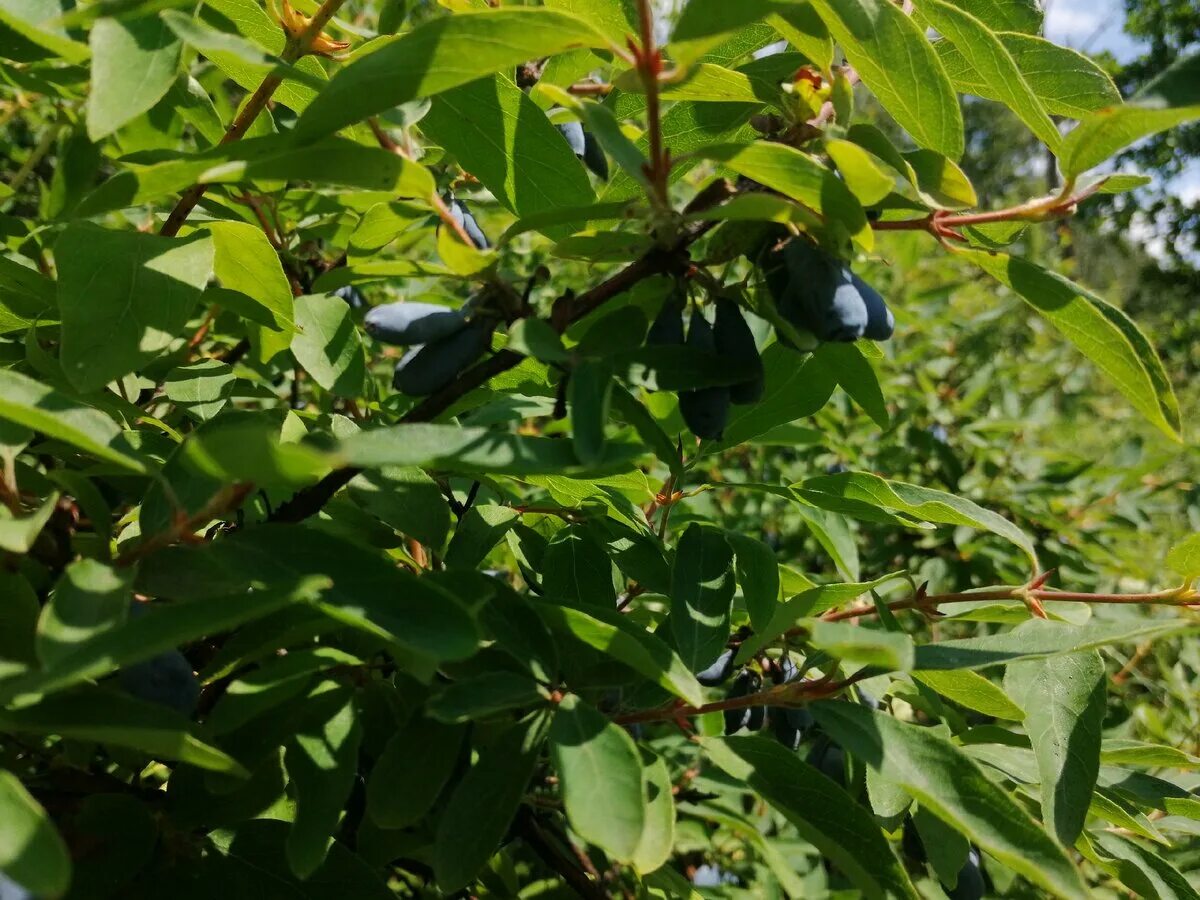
(1095, 25)
(1091, 25)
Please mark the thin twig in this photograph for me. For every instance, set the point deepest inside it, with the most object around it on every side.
(533, 834)
(1174, 597)
(295, 48)
(649, 63)
(184, 526)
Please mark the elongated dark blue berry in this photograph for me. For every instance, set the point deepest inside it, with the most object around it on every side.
(462, 215)
(719, 671)
(573, 132)
(971, 883)
(593, 156)
(166, 679)
(705, 410)
(735, 341)
(427, 368)
(748, 682)
(667, 327)
(881, 324)
(410, 323)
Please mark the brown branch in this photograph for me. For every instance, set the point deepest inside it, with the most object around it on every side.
(184, 526)
(649, 62)
(793, 694)
(942, 224)
(295, 48)
(928, 602)
(310, 500)
(553, 856)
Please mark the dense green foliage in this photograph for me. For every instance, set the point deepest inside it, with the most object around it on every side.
(464, 449)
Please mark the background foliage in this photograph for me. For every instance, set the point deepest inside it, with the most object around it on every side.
(270, 628)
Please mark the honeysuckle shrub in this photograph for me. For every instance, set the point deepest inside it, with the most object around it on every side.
(501, 449)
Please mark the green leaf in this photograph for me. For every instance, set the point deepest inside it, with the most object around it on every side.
(484, 696)
(589, 393)
(615, 19)
(1038, 638)
(328, 345)
(808, 603)
(923, 504)
(1064, 702)
(601, 780)
(335, 161)
(658, 832)
(31, 852)
(19, 533)
(1170, 100)
(576, 567)
(703, 24)
(1103, 333)
(201, 389)
(758, 574)
(972, 690)
(796, 387)
(951, 785)
(498, 134)
(702, 585)
(615, 635)
(1065, 81)
(1006, 15)
(352, 583)
(821, 811)
(1146, 873)
(484, 803)
(990, 59)
(18, 619)
(274, 681)
(38, 407)
(90, 598)
(1184, 557)
(889, 650)
(124, 298)
(134, 63)
(322, 764)
(947, 848)
(867, 181)
(804, 30)
(111, 717)
(26, 296)
(481, 529)
(438, 55)
(415, 765)
(891, 55)
(251, 21)
(406, 499)
(253, 857)
(164, 627)
(857, 378)
(939, 183)
(244, 261)
(1119, 752)
(475, 450)
(37, 23)
(799, 176)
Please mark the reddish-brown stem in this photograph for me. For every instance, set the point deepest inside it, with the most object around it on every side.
(794, 694)
(294, 49)
(591, 89)
(649, 65)
(1173, 597)
(943, 225)
(184, 526)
